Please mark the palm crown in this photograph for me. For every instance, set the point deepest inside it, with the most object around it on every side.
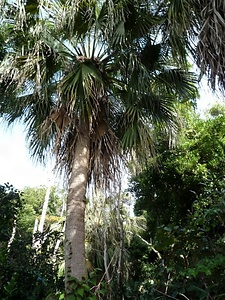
(94, 62)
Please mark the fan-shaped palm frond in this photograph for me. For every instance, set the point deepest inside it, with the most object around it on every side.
(180, 24)
(177, 82)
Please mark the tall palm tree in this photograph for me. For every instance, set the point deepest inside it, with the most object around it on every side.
(92, 80)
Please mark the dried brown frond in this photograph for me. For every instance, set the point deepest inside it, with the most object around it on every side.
(104, 144)
(61, 119)
(104, 161)
(211, 45)
(104, 149)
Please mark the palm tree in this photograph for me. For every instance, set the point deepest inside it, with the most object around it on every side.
(92, 81)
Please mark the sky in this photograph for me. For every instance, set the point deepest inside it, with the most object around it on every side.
(16, 165)
(207, 98)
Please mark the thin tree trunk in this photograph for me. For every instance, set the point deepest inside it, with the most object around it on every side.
(57, 244)
(40, 226)
(75, 211)
(13, 234)
(45, 207)
(105, 256)
(34, 232)
(121, 254)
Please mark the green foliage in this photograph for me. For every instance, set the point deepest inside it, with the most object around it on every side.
(168, 190)
(190, 258)
(10, 208)
(183, 201)
(24, 272)
(87, 288)
(33, 202)
(109, 230)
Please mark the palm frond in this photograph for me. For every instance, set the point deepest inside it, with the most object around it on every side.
(105, 158)
(177, 82)
(138, 20)
(136, 119)
(179, 29)
(81, 85)
(210, 48)
(76, 18)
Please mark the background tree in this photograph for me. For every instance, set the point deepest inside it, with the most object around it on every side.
(25, 273)
(109, 230)
(11, 204)
(33, 203)
(183, 204)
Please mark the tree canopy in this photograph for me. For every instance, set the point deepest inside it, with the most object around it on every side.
(182, 200)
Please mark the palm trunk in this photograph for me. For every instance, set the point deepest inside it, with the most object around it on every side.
(75, 211)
